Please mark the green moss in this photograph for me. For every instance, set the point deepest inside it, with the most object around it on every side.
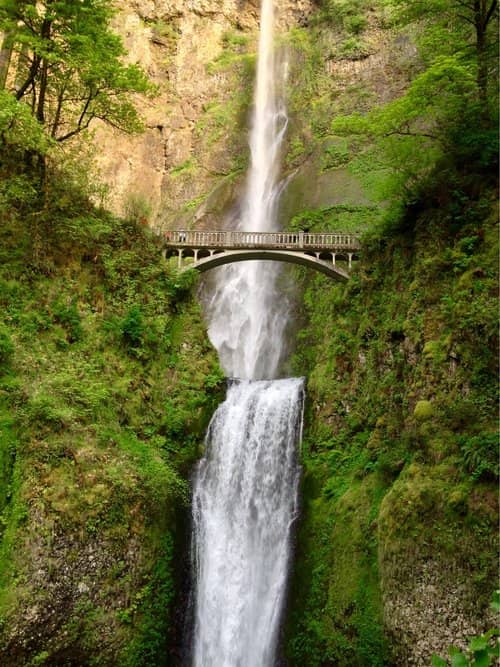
(105, 394)
(6, 346)
(394, 483)
(423, 410)
(354, 48)
(339, 615)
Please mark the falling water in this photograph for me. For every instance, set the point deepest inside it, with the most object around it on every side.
(245, 487)
(247, 315)
(244, 503)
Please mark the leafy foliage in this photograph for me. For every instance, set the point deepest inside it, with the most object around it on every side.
(447, 116)
(132, 327)
(480, 455)
(107, 382)
(348, 15)
(468, 23)
(18, 127)
(69, 72)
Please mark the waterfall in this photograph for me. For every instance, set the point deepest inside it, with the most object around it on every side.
(247, 315)
(245, 487)
(244, 502)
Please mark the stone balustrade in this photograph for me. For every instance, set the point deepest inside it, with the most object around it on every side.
(275, 240)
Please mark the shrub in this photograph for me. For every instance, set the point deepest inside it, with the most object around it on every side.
(480, 455)
(132, 327)
(138, 209)
(69, 317)
(353, 48)
(355, 24)
(6, 345)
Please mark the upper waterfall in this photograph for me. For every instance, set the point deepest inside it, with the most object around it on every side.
(247, 315)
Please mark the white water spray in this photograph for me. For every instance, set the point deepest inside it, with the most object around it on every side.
(245, 487)
(247, 315)
(244, 503)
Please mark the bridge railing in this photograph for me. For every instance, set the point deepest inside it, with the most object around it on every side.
(238, 239)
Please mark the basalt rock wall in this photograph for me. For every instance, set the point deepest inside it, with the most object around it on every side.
(191, 139)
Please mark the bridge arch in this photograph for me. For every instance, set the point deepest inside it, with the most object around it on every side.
(221, 258)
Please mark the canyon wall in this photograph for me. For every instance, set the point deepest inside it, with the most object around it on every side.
(200, 55)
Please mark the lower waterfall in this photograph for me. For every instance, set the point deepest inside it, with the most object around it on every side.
(244, 503)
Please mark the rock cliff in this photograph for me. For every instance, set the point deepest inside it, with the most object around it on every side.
(191, 136)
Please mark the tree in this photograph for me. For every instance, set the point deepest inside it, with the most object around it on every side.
(478, 19)
(5, 56)
(70, 68)
(409, 135)
(446, 117)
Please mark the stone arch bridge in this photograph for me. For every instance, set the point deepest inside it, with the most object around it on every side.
(331, 254)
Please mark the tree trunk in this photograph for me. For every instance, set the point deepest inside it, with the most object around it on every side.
(5, 57)
(484, 12)
(40, 113)
(30, 81)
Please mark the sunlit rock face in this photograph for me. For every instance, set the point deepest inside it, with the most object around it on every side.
(192, 135)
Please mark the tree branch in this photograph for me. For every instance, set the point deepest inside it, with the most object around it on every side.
(464, 4)
(118, 127)
(77, 130)
(57, 115)
(408, 133)
(490, 13)
(81, 125)
(467, 19)
(35, 66)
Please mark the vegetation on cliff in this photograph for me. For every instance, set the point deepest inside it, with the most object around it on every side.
(106, 385)
(107, 380)
(401, 466)
(396, 552)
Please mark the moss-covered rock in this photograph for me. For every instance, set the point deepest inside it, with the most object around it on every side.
(396, 555)
(423, 410)
(105, 394)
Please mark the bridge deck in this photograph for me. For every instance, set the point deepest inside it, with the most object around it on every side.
(234, 240)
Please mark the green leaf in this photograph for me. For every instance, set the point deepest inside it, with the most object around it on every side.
(458, 659)
(493, 632)
(438, 662)
(478, 643)
(495, 603)
(482, 658)
(495, 651)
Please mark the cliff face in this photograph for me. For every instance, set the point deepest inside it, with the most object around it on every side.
(187, 167)
(396, 554)
(196, 125)
(107, 382)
